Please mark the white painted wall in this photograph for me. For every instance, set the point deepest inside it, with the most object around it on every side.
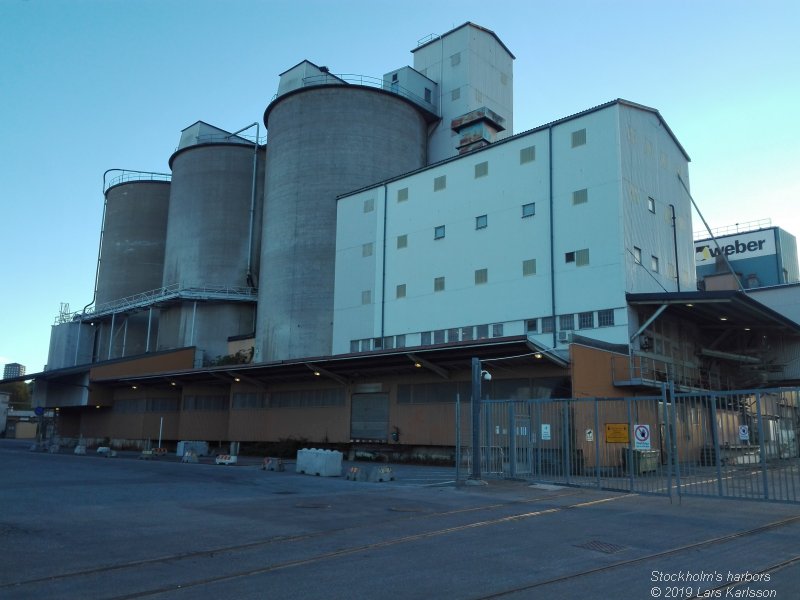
(602, 225)
(483, 74)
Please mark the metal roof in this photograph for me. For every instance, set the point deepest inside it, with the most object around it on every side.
(442, 360)
(721, 310)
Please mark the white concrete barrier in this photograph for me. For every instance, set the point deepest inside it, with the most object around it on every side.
(325, 463)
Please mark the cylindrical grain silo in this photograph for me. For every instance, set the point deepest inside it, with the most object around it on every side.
(134, 234)
(324, 141)
(213, 234)
(131, 261)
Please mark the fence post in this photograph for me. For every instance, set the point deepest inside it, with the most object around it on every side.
(458, 438)
(597, 441)
(565, 425)
(715, 435)
(674, 445)
(667, 428)
(629, 449)
(764, 474)
(512, 440)
(476, 419)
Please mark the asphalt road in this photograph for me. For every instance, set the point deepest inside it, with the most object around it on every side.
(90, 527)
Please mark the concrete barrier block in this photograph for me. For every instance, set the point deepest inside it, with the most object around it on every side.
(377, 474)
(227, 459)
(325, 463)
(273, 464)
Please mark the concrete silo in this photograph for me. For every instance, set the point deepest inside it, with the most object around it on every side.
(213, 232)
(131, 260)
(324, 140)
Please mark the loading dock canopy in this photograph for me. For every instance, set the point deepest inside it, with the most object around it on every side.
(443, 360)
(720, 310)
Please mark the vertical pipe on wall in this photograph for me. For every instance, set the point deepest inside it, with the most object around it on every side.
(111, 335)
(675, 247)
(383, 265)
(552, 234)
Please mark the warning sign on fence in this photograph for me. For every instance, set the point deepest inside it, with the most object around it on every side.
(617, 433)
(641, 437)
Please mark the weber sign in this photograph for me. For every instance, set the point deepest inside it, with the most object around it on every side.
(736, 247)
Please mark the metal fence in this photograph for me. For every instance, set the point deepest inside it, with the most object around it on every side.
(739, 444)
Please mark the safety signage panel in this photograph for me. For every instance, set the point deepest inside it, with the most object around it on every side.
(545, 431)
(744, 432)
(641, 437)
(617, 433)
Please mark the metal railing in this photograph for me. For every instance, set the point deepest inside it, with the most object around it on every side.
(164, 294)
(366, 81)
(735, 228)
(652, 372)
(126, 176)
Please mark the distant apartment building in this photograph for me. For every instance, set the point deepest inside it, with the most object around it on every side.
(12, 370)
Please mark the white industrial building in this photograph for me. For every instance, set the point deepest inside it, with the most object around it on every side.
(539, 234)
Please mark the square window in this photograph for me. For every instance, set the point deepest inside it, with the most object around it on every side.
(482, 169)
(366, 249)
(529, 267)
(482, 332)
(388, 343)
(439, 183)
(354, 345)
(497, 330)
(377, 343)
(453, 335)
(654, 264)
(548, 325)
(605, 318)
(438, 232)
(455, 59)
(366, 345)
(566, 322)
(528, 210)
(455, 94)
(531, 325)
(467, 333)
(481, 276)
(527, 155)
(438, 284)
(578, 138)
(438, 336)
(637, 255)
(481, 222)
(369, 205)
(366, 297)
(580, 196)
(402, 241)
(402, 194)
(582, 257)
(400, 341)
(425, 338)
(401, 291)
(585, 320)
(569, 257)
(651, 205)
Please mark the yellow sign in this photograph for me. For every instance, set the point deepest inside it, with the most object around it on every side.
(617, 433)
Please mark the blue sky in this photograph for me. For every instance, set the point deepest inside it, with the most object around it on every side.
(89, 85)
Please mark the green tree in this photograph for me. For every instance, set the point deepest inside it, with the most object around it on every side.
(20, 398)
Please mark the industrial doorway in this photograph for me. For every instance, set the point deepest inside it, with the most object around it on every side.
(369, 417)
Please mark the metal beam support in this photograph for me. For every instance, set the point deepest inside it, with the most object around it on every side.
(421, 362)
